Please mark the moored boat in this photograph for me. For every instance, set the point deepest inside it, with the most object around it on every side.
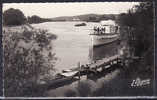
(106, 32)
(81, 24)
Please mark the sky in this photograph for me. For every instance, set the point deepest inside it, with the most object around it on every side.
(50, 10)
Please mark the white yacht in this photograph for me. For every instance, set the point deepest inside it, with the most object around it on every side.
(106, 32)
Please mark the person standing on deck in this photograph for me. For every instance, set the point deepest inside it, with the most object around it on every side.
(104, 29)
(116, 30)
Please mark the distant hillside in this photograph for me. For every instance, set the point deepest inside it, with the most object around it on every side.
(86, 17)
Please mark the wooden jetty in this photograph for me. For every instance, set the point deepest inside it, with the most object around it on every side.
(94, 67)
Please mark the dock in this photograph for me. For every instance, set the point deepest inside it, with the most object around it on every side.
(94, 67)
(91, 70)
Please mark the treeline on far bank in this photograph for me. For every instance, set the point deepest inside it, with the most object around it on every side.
(16, 17)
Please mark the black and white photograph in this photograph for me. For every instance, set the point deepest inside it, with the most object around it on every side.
(78, 49)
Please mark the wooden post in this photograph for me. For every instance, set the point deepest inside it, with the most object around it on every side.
(79, 69)
(110, 62)
(95, 69)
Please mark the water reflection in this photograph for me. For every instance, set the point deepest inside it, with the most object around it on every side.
(104, 51)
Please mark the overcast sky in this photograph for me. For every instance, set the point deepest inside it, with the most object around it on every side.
(49, 10)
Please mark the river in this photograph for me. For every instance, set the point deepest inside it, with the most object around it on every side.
(74, 44)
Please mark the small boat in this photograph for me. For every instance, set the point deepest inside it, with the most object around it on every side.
(69, 74)
(81, 24)
(67, 70)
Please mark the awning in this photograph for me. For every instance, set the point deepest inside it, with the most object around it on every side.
(108, 22)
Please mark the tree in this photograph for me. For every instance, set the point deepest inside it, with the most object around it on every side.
(35, 19)
(28, 57)
(13, 17)
(139, 21)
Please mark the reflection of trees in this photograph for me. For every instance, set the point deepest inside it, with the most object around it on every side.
(104, 51)
(27, 55)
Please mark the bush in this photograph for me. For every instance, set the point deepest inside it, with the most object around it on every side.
(13, 17)
(25, 61)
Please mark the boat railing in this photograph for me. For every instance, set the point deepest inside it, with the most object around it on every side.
(96, 33)
(102, 30)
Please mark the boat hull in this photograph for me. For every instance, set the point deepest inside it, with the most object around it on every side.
(98, 40)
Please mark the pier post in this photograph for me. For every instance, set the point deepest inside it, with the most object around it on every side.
(96, 68)
(110, 62)
(79, 70)
(79, 75)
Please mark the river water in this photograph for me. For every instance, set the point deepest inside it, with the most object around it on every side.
(74, 44)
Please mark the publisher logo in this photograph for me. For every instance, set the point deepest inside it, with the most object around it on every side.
(138, 82)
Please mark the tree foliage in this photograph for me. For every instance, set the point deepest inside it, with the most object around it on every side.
(140, 23)
(140, 20)
(28, 57)
(36, 19)
(13, 17)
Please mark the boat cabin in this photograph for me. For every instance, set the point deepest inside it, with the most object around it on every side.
(106, 27)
